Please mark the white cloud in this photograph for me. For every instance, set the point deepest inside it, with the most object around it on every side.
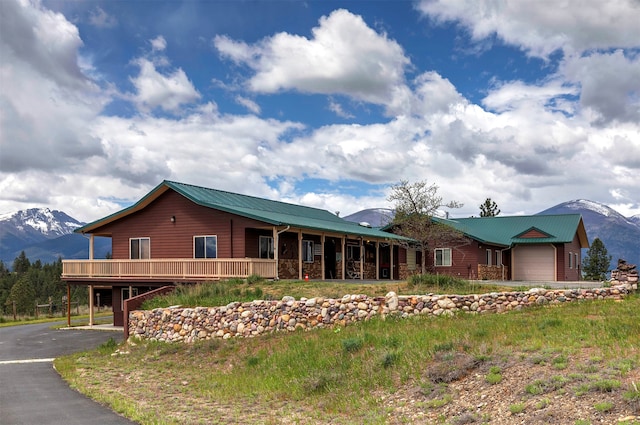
(526, 146)
(168, 92)
(43, 87)
(337, 109)
(514, 94)
(610, 84)
(251, 105)
(158, 44)
(101, 19)
(42, 40)
(542, 27)
(344, 56)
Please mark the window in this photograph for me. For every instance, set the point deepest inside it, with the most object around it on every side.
(442, 257)
(577, 262)
(266, 247)
(571, 260)
(139, 249)
(125, 294)
(488, 257)
(307, 251)
(205, 247)
(498, 258)
(353, 252)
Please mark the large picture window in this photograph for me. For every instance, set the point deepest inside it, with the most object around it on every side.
(205, 247)
(442, 257)
(307, 251)
(266, 247)
(139, 248)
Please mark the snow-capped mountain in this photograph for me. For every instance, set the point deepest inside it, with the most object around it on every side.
(620, 234)
(37, 224)
(44, 235)
(376, 217)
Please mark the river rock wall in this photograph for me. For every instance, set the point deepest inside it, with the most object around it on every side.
(258, 317)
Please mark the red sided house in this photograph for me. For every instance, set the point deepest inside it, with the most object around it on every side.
(526, 248)
(180, 233)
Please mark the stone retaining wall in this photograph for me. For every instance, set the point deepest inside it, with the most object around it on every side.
(259, 317)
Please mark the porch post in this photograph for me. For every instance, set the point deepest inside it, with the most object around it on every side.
(344, 257)
(391, 260)
(90, 305)
(361, 260)
(300, 254)
(276, 238)
(377, 260)
(91, 247)
(322, 241)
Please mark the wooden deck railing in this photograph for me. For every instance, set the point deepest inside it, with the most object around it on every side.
(171, 268)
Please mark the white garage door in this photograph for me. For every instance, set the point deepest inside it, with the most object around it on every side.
(535, 262)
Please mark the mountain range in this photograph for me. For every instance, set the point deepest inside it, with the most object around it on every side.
(47, 235)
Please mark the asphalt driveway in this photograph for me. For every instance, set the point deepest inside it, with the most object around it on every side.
(32, 392)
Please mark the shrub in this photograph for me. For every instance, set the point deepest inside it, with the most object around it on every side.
(436, 280)
(254, 278)
(603, 406)
(389, 359)
(605, 385)
(517, 408)
(351, 345)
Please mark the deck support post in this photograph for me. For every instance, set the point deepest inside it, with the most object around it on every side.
(90, 305)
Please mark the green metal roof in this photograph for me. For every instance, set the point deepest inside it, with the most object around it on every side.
(506, 231)
(275, 213)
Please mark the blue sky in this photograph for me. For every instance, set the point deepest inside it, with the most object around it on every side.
(322, 103)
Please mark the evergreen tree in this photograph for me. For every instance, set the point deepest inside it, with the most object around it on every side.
(21, 264)
(24, 296)
(489, 208)
(596, 264)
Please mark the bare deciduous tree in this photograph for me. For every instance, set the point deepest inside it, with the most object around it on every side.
(416, 205)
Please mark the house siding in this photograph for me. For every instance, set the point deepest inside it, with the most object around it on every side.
(175, 240)
(565, 272)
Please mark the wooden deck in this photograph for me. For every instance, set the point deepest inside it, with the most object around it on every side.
(168, 269)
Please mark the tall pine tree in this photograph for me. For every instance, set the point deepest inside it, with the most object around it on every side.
(596, 264)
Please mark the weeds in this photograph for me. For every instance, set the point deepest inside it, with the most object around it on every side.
(494, 376)
(517, 408)
(603, 406)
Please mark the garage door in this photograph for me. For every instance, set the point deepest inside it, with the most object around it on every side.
(535, 262)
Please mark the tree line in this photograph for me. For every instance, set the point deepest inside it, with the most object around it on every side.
(30, 283)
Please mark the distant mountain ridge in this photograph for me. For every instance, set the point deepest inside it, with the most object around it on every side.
(44, 235)
(620, 234)
(376, 217)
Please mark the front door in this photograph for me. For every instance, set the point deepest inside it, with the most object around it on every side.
(330, 259)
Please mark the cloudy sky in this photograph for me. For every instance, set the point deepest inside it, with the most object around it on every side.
(322, 103)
